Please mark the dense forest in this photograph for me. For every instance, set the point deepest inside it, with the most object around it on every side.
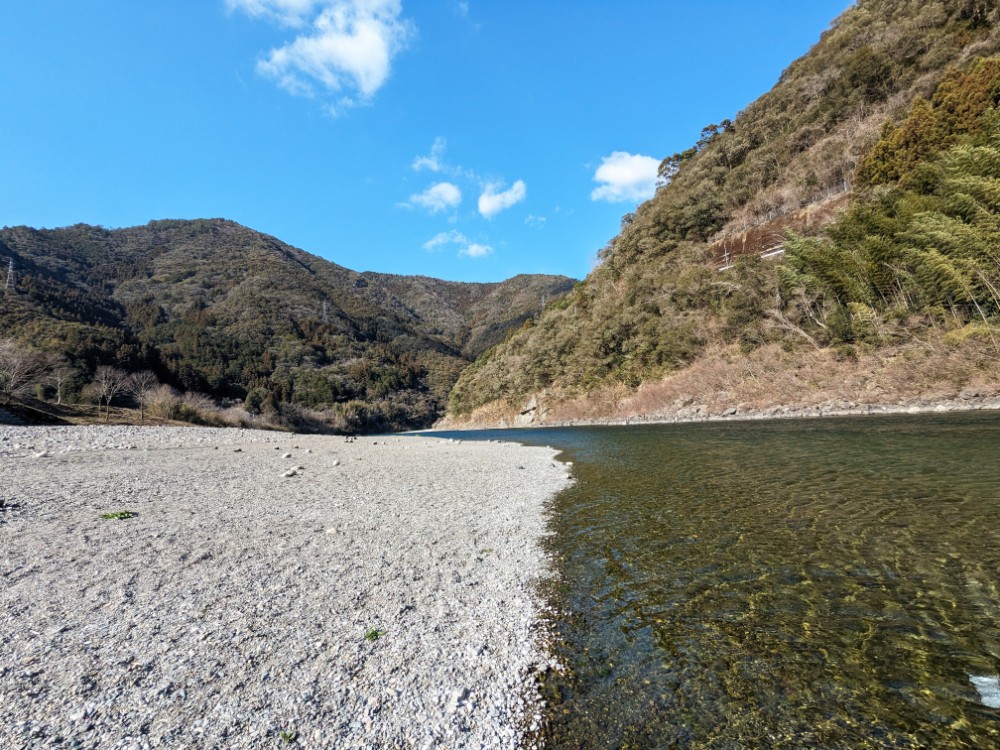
(867, 177)
(213, 308)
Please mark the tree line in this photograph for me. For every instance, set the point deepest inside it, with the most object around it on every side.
(47, 377)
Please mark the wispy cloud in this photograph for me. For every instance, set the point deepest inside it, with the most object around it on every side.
(625, 177)
(345, 47)
(493, 200)
(535, 221)
(437, 198)
(442, 240)
(433, 160)
(466, 248)
(285, 12)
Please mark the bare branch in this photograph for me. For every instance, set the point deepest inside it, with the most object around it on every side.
(19, 368)
(141, 386)
(108, 383)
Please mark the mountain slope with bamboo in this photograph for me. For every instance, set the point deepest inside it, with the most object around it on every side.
(867, 180)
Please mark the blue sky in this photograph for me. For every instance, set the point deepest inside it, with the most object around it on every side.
(464, 140)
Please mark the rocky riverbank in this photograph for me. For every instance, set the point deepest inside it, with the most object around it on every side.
(183, 587)
(770, 383)
(691, 411)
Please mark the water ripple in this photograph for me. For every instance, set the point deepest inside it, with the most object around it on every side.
(829, 583)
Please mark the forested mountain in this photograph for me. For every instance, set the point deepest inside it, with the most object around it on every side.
(844, 225)
(474, 316)
(213, 307)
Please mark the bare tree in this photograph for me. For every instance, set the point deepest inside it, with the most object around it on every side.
(108, 383)
(60, 373)
(19, 368)
(140, 386)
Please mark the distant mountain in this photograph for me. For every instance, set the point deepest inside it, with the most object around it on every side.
(841, 222)
(473, 316)
(215, 307)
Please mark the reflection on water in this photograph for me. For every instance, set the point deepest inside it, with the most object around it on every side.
(807, 584)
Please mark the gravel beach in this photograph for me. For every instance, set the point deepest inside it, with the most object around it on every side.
(271, 590)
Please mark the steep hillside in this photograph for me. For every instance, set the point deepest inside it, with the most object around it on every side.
(217, 308)
(866, 120)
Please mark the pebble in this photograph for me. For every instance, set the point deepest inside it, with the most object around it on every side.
(222, 621)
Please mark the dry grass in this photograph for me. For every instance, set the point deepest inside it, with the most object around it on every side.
(724, 378)
(772, 377)
(167, 408)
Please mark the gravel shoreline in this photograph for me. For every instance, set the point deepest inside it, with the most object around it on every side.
(383, 595)
(692, 411)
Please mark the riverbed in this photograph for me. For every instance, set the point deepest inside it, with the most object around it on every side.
(825, 583)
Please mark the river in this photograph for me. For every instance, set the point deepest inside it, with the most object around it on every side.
(827, 583)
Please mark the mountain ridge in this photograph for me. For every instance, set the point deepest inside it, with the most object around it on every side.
(215, 307)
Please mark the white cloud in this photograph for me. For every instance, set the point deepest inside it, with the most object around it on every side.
(462, 8)
(433, 160)
(466, 249)
(475, 251)
(625, 177)
(491, 202)
(347, 48)
(440, 241)
(535, 221)
(438, 197)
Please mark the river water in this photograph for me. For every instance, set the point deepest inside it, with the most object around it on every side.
(790, 584)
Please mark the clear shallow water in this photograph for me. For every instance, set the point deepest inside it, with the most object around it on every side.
(801, 584)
